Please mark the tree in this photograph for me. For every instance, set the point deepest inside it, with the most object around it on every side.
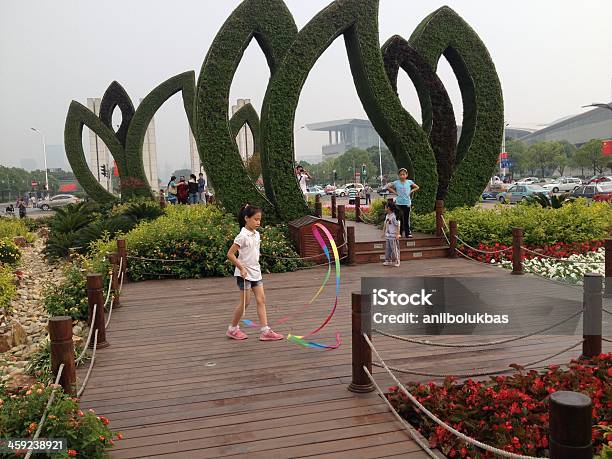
(543, 156)
(590, 154)
(516, 156)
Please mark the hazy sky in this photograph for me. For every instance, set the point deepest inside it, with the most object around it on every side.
(551, 56)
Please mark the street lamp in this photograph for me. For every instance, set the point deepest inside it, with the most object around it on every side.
(45, 158)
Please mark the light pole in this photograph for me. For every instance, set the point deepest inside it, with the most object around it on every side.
(45, 158)
(502, 170)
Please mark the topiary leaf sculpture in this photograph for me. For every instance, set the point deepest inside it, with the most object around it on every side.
(271, 24)
(246, 115)
(444, 32)
(436, 108)
(443, 169)
(184, 83)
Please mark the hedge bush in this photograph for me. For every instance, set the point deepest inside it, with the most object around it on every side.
(12, 227)
(9, 252)
(199, 236)
(88, 435)
(8, 290)
(444, 32)
(68, 297)
(575, 222)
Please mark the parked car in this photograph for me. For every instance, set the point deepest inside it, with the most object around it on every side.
(518, 193)
(563, 184)
(487, 195)
(315, 190)
(528, 181)
(329, 189)
(596, 191)
(600, 179)
(58, 201)
(343, 191)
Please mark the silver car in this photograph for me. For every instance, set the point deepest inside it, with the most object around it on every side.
(58, 201)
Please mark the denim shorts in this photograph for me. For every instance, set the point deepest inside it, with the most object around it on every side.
(247, 284)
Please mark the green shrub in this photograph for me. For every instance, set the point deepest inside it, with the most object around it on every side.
(88, 434)
(11, 227)
(199, 236)
(68, 298)
(8, 290)
(376, 215)
(574, 222)
(9, 252)
(39, 364)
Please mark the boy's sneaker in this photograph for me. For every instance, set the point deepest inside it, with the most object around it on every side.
(270, 335)
(236, 334)
(386, 263)
(397, 264)
(410, 236)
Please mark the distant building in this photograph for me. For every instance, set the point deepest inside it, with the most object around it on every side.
(576, 129)
(149, 156)
(244, 139)
(346, 134)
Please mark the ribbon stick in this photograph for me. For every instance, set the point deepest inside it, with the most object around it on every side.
(302, 340)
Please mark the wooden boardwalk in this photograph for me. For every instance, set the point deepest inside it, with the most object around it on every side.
(176, 387)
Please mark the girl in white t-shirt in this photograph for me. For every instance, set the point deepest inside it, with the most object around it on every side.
(248, 274)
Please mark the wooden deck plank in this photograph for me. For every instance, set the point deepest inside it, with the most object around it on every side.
(267, 399)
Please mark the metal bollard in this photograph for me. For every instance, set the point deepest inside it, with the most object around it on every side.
(592, 302)
(95, 295)
(570, 426)
(517, 251)
(361, 322)
(62, 351)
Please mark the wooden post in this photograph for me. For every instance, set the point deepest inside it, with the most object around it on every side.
(592, 302)
(570, 426)
(517, 251)
(62, 351)
(358, 209)
(439, 217)
(122, 250)
(333, 205)
(114, 259)
(162, 199)
(341, 227)
(608, 248)
(350, 236)
(452, 226)
(318, 206)
(361, 321)
(95, 295)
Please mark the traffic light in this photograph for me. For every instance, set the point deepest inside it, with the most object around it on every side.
(103, 170)
(363, 169)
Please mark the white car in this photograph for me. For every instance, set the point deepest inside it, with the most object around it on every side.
(58, 201)
(564, 184)
(315, 190)
(343, 191)
(528, 181)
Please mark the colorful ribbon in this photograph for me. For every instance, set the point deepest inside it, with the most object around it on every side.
(302, 340)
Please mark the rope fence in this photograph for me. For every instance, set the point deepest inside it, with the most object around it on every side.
(481, 344)
(91, 364)
(93, 316)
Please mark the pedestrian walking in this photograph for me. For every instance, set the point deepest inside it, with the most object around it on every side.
(192, 187)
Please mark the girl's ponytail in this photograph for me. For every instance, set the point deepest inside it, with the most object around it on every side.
(246, 210)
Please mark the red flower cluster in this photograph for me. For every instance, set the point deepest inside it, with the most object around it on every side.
(508, 412)
(557, 250)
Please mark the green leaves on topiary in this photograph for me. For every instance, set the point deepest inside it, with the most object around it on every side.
(246, 115)
(444, 32)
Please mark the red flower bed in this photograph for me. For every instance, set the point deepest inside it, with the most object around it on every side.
(507, 412)
(557, 250)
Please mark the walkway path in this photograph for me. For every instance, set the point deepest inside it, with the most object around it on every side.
(176, 387)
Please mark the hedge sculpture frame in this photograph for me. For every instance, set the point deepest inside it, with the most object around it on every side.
(444, 32)
(436, 107)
